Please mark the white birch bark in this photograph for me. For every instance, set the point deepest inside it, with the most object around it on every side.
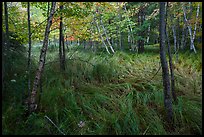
(101, 36)
(197, 13)
(148, 34)
(189, 29)
(131, 34)
(107, 38)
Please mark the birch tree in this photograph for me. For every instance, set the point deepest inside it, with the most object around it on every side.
(192, 47)
(32, 101)
(197, 13)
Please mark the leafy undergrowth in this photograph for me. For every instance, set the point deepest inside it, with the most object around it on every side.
(110, 94)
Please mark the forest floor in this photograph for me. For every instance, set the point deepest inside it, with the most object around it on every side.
(104, 94)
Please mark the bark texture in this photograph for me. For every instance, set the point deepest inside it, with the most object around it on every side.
(165, 72)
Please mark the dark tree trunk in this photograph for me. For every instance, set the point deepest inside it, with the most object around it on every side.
(48, 11)
(29, 49)
(33, 104)
(170, 61)
(165, 73)
(6, 20)
(62, 41)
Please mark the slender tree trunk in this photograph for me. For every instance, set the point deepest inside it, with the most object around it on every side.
(148, 34)
(165, 72)
(129, 40)
(107, 38)
(197, 13)
(112, 41)
(48, 11)
(6, 20)
(192, 47)
(62, 41)
(6, 46)
(29, 48)
(170, 60)
(101, 35)
(78, 42)
(130, 31)
(33, 104)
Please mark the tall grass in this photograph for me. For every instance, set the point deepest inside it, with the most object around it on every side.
(110, 94)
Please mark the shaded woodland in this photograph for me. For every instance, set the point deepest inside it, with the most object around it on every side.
(101, 68)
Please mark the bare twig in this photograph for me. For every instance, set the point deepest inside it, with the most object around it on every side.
(54, 125)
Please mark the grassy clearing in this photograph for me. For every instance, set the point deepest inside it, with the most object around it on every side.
(110, 94)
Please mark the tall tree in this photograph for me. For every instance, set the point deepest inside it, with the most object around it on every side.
(33, 104)
(29, 48)
(165, 72)
(99, 31)
(197, 13)
(192, 47)
(170, 59)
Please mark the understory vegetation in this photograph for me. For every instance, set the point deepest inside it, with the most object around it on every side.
(101, 68)
(103, 94)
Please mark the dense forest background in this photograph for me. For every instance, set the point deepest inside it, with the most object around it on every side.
(131, 68)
